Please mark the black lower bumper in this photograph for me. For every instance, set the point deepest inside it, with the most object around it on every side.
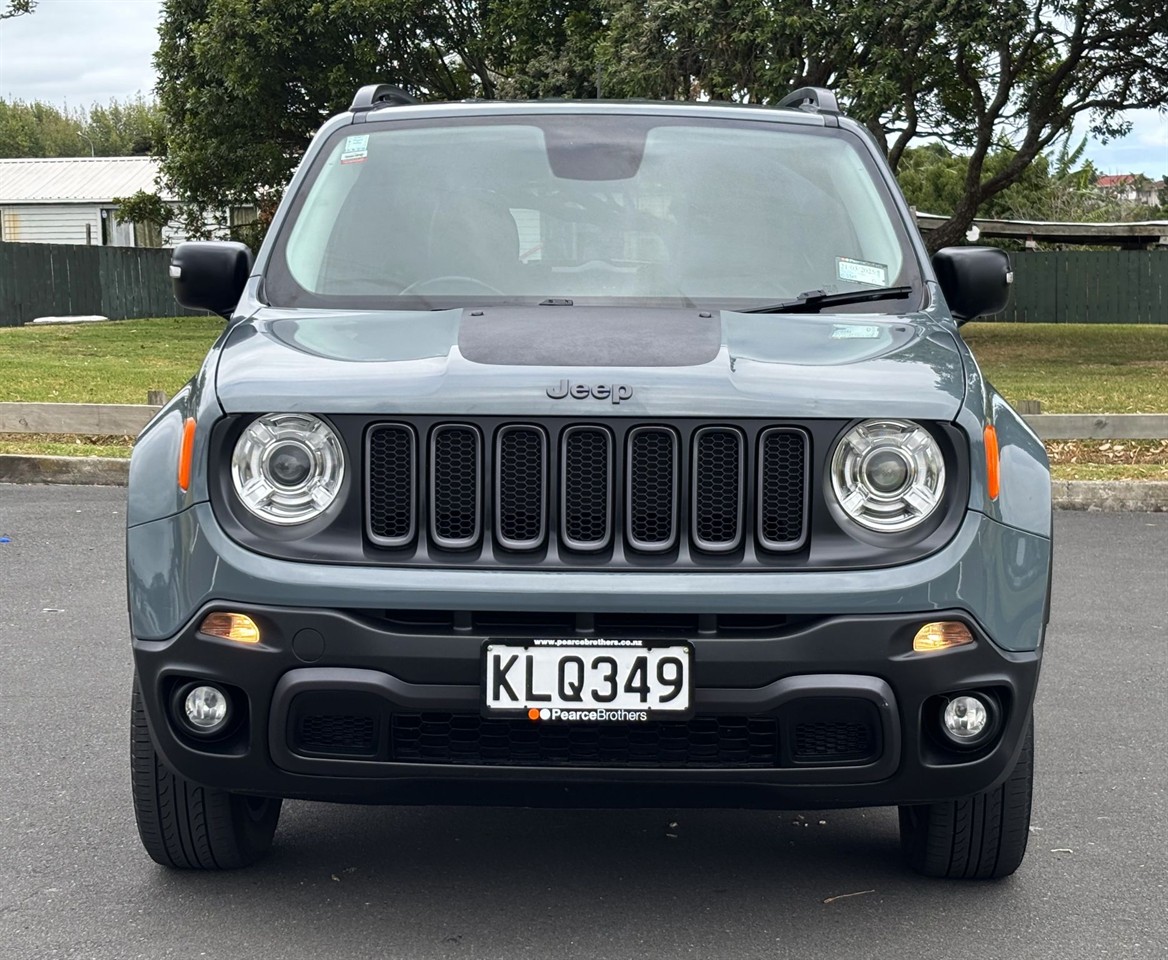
(417, 688)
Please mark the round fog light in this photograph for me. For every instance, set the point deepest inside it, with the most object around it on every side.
(206, 708)
(966, 718)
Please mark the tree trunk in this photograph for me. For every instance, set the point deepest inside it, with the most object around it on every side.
(951, 232)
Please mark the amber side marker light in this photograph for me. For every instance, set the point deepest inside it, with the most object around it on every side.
(231, 626)
(993, 473)
(941, 636)
(186, 451)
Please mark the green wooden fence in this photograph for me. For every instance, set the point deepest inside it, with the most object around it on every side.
(1089, 286)
(60, 280)
(1079, 286)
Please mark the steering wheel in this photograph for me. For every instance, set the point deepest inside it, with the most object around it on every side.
(419, 286)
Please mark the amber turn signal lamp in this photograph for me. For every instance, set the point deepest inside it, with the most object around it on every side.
(185, 453)
(941, 636)
(231, 626)
(993, 477)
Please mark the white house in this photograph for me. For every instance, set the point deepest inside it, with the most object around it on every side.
(1132, 187)
(70, 200)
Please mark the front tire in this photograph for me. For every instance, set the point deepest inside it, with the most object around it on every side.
(186, 826)
(982, 837)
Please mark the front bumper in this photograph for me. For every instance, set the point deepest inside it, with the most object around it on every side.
(849, 630)
(866, 658)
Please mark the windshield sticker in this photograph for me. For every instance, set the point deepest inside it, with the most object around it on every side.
(859, 271)
(853, 332)
(356, 149)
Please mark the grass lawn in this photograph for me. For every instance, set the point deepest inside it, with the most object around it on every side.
(1070, 368)
(1076, 367)
(102, 362)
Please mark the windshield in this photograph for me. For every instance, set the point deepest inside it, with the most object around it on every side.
(592, 209)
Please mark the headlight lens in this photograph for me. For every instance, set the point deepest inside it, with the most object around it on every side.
(287, 467)
(888, 475)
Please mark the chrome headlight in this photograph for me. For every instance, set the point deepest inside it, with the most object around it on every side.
(888, 475)
(287, 467)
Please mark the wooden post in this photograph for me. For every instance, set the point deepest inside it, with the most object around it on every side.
(1028, 407)
(158, 398)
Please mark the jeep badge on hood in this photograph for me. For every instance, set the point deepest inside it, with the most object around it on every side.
(581, 391)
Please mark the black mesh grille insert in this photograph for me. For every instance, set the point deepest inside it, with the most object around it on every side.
(782, 493)
(652, 502)
(833, 741)
(701, 742)
(454, 486)
(337, 734)
(391, 484)
(520, 476)
(586, 479)
(717, 492)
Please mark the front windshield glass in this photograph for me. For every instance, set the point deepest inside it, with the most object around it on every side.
(595, 209)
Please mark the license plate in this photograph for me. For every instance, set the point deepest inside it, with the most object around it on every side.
(573, 680)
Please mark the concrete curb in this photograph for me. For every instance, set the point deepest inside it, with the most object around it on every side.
(1109, 495)
(1105, 495)
(90, 471)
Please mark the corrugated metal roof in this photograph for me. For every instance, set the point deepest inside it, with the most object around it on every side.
(76, 179)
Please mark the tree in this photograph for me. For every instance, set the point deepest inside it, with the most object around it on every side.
(148, 211)
(244, 83)
(1056, 186)
(117, 129)
(128, 128)
(17, 8)
(1003, 79)
(38, 130)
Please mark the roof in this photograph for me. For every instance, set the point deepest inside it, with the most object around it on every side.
(717, 109)
(76, 179)
(1124, 179)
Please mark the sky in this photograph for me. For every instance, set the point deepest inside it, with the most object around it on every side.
(80, 52)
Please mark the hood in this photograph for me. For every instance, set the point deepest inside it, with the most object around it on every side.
(592, 362)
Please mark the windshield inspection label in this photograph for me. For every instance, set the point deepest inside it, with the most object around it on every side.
(356, 149)
(852, 332)
(860, 271)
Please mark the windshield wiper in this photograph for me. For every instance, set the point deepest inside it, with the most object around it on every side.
(814, 300)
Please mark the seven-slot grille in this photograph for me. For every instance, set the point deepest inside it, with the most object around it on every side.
(584, 489)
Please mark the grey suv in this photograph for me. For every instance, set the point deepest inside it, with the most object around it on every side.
(600, 453)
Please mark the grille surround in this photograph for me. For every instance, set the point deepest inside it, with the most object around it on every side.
(440, 487)
(765, 539)
(372, 437)
(631, 510)
(704, 516)
(568, 516)
(640, 542)
(502, 491)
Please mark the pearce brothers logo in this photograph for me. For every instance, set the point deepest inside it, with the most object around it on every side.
(616, 392)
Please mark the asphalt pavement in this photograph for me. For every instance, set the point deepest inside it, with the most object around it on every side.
(384, 882)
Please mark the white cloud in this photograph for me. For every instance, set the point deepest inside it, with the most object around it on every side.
(80, 52)
(1144, 150)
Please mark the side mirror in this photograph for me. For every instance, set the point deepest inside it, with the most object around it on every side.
(975, 280)
(210, 274)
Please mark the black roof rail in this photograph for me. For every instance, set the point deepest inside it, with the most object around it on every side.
(379, 94)
(814, 99)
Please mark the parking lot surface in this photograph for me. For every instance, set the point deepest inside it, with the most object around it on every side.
(384, 882)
